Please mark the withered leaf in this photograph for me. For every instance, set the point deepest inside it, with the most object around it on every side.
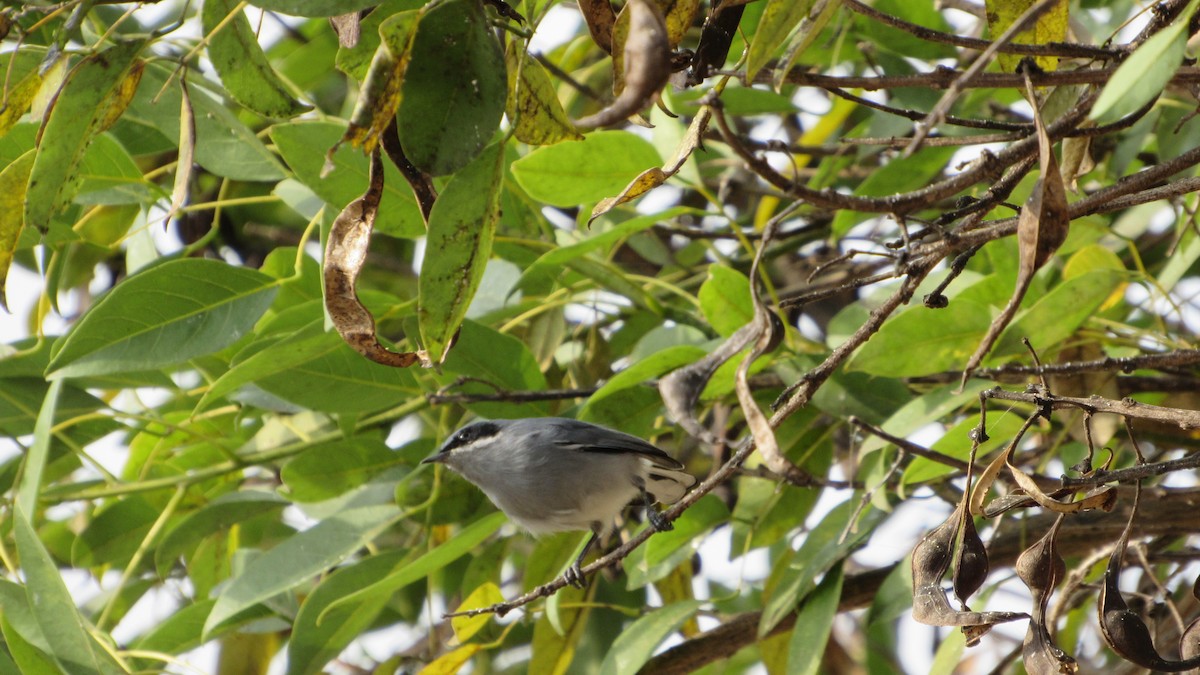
(1103, 498)
(600, 18)
(715, 39)
(345, 253)
(643, 68)
(187, 153)
(347, 29)
(1041, 229)
(380, 94)
(654, 176)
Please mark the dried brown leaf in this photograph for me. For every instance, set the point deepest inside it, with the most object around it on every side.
(1041, 229)
(654, 177)
(643, 67)
(187, 153)
(347, 29)
(600, 18)
(345, 254)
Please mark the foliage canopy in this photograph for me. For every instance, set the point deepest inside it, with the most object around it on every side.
(769, 235)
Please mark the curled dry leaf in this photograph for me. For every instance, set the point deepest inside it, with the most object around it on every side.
(345, 253)
(1103, 498)
(654, 177)
(1122, 628)
(187, 152)
(647, 66)
(681, 389)
(1041, 229)
(715, 39)
(1040, 567)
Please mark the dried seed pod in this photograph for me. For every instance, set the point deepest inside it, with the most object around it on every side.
(1040, 567)
(930, 560)
(1122, 628)
(971, 565)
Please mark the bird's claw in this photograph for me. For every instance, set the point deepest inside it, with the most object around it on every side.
(574, 576)
(657, 521)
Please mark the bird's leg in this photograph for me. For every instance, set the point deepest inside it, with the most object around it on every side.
(574, 573)
(659, 523)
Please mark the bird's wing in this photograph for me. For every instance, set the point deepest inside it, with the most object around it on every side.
(592, 438)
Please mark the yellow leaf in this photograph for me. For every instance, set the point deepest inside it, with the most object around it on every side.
(465, 627)
(533, 107)
(1051, 27)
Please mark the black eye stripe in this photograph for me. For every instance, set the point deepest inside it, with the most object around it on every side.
(472, 433)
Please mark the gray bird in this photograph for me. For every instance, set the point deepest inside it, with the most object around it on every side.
(551, 474)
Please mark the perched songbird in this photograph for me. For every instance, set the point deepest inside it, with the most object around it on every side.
(551, 474)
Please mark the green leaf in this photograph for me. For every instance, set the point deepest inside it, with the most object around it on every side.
(224, 145)
(599, 166)
(163, 316)
(355, 60)
(552, 262)
(242, 65)
(778, 19)
(666, 551)
(725, 299)
(633, 648)
(461, 227)
(114, 533)
(500, 359)
(924, 410)
(1142, 77)
(28, 660)
(444, 554)
(1056, 315)
(300, 558)
(327, 470)
(65, 630)
(947, 338)
(179, 632)
(39, 452)
(313, 644)
(454, 88)
(652, 366)
(813, 624)
(97, 91)
(314, 7)
(826, 544)
(15, 608)
(956, 443)
(303, 146)
(218, 515)
(339, 380)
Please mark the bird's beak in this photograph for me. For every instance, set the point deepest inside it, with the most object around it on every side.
(435, 458)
